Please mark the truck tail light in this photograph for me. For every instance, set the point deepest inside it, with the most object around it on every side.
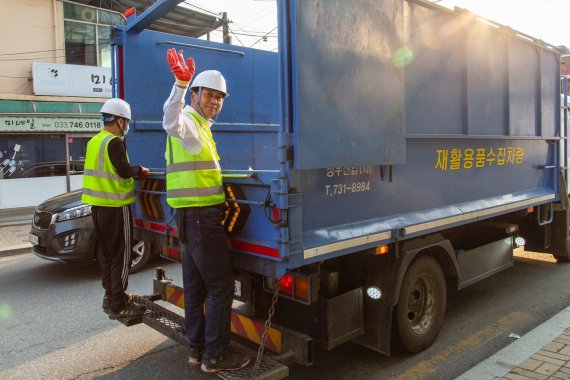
(286, 286)
(302, 290)
(297, 286)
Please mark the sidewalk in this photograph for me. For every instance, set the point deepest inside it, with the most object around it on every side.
(543, 353)
(14, 238)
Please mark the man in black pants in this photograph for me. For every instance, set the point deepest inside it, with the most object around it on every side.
(108, 186)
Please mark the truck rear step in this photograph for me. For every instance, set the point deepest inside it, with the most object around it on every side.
(172, 325)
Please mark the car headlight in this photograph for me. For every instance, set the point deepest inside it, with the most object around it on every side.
(74, 212)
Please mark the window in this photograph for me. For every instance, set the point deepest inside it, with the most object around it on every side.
(41, 156)
(87, 34)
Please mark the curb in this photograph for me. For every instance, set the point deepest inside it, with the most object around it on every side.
(514, 354)
(15, 251)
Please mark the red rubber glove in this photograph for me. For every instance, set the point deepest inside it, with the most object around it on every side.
(143, 173)
(183, 71)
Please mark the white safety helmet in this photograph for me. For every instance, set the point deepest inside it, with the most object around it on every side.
(212, 79)
(117, 107)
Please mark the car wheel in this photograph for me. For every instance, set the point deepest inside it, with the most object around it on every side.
(140, 255)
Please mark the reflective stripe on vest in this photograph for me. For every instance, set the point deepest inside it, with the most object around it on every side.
(193, 180)
(102, 185)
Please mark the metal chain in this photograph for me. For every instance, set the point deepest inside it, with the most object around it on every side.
(274, 299)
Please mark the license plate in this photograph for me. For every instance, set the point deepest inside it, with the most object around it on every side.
(34, 239)
(237, 288)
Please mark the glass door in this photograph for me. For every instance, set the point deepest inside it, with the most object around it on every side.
(36, 167)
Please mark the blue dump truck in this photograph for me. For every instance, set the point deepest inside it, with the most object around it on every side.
(388, 149)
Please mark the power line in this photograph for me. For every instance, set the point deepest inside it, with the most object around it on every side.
(262, 13)
(256, 35)
(202, 9)
(53, 57)
(237, 38)
(263, 37)
(249, 32)
(8, 76)
(32, 52)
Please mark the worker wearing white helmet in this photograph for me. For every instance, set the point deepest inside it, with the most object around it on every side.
(108, 186)
(116, 107)
(214, 85)
(195, 191)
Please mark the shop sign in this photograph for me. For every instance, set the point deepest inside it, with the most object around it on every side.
(41, 124)
(71, 80)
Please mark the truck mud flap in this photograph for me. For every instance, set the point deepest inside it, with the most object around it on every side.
(171, 324)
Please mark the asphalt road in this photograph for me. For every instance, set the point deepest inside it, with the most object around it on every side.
(52, 327)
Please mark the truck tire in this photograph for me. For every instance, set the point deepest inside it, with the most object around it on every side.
(563, 257)
(421, 304)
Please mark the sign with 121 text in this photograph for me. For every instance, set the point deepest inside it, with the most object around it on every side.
(71, 80)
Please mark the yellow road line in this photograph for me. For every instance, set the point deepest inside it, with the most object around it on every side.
(427, 367)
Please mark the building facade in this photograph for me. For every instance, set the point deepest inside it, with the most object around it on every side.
(55, 73)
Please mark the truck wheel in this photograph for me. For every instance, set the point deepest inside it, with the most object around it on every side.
(421, 304)
(140, 255)
(564, 257)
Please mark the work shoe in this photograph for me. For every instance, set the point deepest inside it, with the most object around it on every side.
(107, 301)
(228, 361)
(195, 357)
(129, 309)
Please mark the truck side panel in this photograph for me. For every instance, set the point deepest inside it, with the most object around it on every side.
(482, 139)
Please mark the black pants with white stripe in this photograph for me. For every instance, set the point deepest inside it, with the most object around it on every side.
(114, 230)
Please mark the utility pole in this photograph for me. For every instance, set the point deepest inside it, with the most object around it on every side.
(226, 29)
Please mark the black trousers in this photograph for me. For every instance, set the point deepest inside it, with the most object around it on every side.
(114, 230)
(208, 278)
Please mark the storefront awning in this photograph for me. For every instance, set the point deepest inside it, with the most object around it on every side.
(43, 116)
(19, 107)
(187, 20)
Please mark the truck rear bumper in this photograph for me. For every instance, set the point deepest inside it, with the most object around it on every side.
(171, 324)
(283, 343)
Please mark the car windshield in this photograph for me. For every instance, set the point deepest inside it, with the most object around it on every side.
(49, 169)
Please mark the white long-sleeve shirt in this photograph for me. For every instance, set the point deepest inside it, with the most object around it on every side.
(176, 122)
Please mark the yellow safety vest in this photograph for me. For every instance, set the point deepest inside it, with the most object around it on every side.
(102, 185)
(193, 180)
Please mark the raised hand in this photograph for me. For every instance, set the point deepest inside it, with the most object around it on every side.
(183, 71)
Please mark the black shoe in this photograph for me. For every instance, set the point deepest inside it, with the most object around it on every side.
(129, 309)
(107, 301)
(195, 357)
(228, 361)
